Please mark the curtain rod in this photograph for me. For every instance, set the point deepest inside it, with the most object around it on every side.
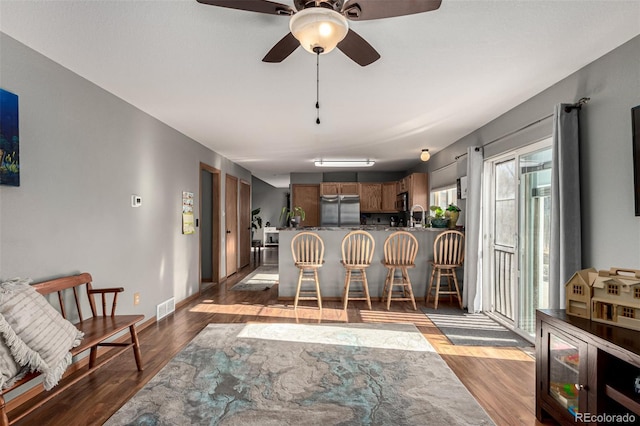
(577, 105)
(510, 134)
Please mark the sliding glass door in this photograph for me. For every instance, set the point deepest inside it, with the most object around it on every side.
(505, 237)
(517, 212)
(535, 230)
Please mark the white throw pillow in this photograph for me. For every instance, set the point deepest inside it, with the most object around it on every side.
(38, 337)
(8, 367)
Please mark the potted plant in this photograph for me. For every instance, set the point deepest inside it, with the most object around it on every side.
(438, 220)
(296, 215)
(452, 212)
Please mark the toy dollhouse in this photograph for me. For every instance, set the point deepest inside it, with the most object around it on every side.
(616, 298)
(578, 293)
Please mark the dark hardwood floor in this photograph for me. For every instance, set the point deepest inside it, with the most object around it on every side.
(501, 379)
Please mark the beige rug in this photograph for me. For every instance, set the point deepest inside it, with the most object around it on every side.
(262, 278)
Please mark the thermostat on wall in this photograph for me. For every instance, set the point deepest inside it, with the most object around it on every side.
(136, 201)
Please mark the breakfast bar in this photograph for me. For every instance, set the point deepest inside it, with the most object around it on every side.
(332, 273)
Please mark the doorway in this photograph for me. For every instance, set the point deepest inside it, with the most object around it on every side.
(209, 226)
(517, 242)
(231, 224)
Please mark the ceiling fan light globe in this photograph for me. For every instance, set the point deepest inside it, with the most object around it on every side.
(318, 27)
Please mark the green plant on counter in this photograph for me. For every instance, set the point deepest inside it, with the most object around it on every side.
(437, 211)
(453, 208)
(290, 214)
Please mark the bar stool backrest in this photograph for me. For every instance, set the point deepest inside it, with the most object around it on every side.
(400, 248)
(357, 248)
(307, 249)
(448, 248)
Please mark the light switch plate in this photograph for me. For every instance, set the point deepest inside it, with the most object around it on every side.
(136, 201)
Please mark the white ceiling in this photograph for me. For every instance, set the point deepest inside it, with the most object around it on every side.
(441, 75)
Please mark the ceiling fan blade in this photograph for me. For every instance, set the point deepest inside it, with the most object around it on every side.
(361, 10)
(357, 48)
(282, 49)
(262, 6)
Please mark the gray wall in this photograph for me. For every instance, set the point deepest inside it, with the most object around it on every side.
(270, 199)
(83, 153)
(610, 230)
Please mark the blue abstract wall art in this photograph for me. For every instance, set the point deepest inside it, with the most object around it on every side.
(9, 139)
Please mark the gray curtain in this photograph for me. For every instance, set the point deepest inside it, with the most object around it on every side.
(565, 251)
(472, 289)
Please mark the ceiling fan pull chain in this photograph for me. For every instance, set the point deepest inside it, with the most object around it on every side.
(318, 86)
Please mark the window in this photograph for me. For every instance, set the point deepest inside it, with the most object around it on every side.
(628, 312)
(577, 289)
(636, 293)
(612, 289)
(443, 197)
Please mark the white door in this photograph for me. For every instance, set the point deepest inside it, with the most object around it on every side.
(517, 218)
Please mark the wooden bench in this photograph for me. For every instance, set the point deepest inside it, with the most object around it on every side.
(97, 328)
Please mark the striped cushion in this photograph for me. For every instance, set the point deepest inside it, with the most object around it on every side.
(8, 367)
(37, 335)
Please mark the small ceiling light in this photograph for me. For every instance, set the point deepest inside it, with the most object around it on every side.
(424, 155)
(318, 29)
(351, 163)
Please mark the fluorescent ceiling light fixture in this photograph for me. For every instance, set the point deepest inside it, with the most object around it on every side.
(346, 163)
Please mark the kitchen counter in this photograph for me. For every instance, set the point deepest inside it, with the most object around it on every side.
(332, 273)
(363, 228)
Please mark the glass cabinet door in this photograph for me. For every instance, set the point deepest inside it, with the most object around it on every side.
(564, 361)
(566, 371)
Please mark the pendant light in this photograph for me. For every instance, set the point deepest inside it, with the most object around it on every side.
(425, 155)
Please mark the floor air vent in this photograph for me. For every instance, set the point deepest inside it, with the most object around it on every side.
(165, 308)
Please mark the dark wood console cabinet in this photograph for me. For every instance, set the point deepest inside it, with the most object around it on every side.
(585, 370)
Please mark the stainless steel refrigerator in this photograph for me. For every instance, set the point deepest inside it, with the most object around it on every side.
(340, 210)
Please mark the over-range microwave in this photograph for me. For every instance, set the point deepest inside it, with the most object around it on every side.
(402, 202)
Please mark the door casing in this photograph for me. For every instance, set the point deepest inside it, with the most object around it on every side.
(214, 225)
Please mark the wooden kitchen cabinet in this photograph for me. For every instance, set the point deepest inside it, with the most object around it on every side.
(416, 184)
(307, 197)
(371, 197)
(389, 191)
(403, 185)
(349, 188)
(340, 188)
(330, 188)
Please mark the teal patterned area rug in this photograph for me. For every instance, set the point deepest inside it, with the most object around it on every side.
(297, 374)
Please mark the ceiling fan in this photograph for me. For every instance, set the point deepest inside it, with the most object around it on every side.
(321, 25)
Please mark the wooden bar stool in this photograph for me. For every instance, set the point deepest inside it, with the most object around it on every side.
(448, 255)
(357, 252)
(308, 255)
(400, 250)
